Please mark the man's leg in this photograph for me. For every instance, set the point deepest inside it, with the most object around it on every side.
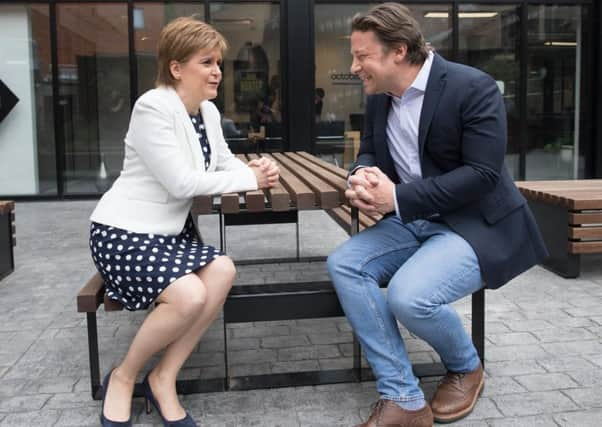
(356, 269)
(443, 270)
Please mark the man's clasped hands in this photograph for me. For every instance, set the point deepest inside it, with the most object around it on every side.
(371, 191)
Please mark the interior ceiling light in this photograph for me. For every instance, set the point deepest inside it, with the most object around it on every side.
(461, 14)
(550, 43)
(239, 21)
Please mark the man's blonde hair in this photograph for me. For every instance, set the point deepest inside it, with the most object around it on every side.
(182, 38)
(394, 25)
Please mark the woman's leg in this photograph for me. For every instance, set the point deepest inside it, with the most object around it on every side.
(218, 277)
(180, 305)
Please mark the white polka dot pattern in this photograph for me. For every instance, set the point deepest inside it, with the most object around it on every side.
(114, 250)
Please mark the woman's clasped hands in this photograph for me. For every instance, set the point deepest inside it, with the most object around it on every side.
(266, 171)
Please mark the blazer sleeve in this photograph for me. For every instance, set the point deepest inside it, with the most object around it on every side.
(152, 136)
(483, 146)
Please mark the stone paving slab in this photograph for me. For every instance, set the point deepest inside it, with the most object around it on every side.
(543, 338)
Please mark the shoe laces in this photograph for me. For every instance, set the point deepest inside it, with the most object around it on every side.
(453, 379)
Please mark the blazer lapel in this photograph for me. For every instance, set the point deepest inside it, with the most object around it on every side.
(434, 87)
(192, 139)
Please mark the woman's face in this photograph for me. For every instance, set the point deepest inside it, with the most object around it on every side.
(199, 77)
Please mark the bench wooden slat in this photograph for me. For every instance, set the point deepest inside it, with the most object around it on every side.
(327, 195)
(585, 232)
(584, 247)
(91, 295)
(585, 218)
(300, 194)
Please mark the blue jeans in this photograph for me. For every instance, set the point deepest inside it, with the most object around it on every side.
(427, 266)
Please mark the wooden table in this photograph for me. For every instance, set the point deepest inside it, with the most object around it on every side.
(306, 183)
(569, 215)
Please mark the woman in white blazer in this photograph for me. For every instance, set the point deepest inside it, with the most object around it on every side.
(142, 239)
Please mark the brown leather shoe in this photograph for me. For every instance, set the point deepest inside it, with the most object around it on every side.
(456, 395)
(386, 413)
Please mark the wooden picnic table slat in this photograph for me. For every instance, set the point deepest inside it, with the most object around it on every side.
(202, 205)
(300, 194)
(277, 195)
(326, 195)
(327, 176)
(324, 164)
(254, 200)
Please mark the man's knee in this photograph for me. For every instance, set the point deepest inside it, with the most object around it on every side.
(408, 306)
(342, 258)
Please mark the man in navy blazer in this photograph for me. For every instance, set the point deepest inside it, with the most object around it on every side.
(431, 161)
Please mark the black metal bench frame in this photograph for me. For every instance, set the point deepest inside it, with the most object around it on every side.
(284, 301)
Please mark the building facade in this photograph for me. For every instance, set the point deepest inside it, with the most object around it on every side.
(70, 72)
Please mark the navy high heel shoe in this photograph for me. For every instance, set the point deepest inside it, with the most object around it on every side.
(104, 421)
(149, 398)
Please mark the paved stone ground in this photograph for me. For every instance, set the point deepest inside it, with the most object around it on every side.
(543, 350)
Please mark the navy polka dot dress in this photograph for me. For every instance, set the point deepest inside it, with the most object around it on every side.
(137, 267)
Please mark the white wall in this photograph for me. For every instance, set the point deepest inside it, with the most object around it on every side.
(18, 145)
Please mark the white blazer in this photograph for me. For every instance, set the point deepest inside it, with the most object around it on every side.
(163, 168)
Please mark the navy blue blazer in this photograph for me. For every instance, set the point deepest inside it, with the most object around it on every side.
(462, 143)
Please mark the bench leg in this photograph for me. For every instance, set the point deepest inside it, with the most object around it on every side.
(226, 373)
(478, 323)
(553, 222)
(93, 355)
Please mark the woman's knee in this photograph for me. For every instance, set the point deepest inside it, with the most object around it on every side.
(188, 296)
(223, 269)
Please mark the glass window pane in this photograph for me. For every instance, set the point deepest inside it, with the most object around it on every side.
(489, 39)
(94, 92)
(553, 92)
(339, 96)
(250, 95)
(27, 149)
(149, 19)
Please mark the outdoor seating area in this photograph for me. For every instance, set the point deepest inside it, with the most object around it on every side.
(543, 338)
(569, 215)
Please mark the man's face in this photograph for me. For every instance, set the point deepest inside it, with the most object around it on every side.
(370, 62)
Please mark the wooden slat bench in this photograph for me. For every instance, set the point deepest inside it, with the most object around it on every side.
(307, 183)
(569, 215)
(7, 237)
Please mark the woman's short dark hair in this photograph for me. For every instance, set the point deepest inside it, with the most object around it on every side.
(394, 25)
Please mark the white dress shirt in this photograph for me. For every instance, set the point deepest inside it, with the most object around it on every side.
(402, 127)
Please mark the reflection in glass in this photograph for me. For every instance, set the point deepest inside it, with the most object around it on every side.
(489, 39)
(553, 92)
(94, 92)
(339, 97)
(27, 147)
(250, 95)
(149, 19)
